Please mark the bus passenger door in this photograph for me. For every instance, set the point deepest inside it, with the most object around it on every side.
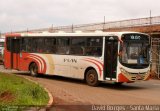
(110, 57)
(15, 53)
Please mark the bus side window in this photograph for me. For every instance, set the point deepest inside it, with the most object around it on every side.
(63, 46)
(8, 44)
(25, 46)
(77, 46)
(94, 47)
(49, 44)
(39, 45)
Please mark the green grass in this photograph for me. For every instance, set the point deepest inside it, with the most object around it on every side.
(15, 90)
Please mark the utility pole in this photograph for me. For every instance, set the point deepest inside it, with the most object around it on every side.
(51, 29)
(150, 24)
(104, 21)
(72, 28)
(52, 26)
(150, 15)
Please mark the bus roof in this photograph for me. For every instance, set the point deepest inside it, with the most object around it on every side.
(47, 34)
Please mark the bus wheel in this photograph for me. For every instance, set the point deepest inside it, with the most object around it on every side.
(92, 78)
(33, 69)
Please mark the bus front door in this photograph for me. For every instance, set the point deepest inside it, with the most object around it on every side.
(15, 53)
(110, 57)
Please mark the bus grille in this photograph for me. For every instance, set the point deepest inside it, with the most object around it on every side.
(137, 73)
(137, 78)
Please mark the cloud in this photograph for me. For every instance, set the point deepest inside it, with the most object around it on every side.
(22, 14)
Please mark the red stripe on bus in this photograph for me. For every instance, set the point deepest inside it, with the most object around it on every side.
(38, 60)
(96, 61)
(44, 63)
(44, 70)
(45, 66)
(96, 65)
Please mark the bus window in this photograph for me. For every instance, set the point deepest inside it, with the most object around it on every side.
(50, 45)
(63, 46)
(26, 45)
(77, 46)
(34, 45)
(94, 47)
(40, 45)
(8, 44)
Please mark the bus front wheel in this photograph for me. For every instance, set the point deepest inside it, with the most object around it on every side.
(92, 78)
(33, 69)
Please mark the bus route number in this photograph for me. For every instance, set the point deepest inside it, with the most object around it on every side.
(135, 37)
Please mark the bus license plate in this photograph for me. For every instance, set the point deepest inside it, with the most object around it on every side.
(138, 77)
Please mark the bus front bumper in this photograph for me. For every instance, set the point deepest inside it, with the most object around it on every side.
(133, 77)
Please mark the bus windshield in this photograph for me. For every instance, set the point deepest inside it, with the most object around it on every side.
(134, 52)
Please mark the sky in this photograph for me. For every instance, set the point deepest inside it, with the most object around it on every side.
(17, 15)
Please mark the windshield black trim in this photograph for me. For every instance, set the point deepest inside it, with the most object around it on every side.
(135, 66)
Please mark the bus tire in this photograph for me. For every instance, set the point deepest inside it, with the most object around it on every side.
(33, 69)
(92, 78)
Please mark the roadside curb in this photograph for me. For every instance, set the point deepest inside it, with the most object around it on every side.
(50, 97)
(49, 94)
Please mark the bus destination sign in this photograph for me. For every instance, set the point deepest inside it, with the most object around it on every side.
(135, 37)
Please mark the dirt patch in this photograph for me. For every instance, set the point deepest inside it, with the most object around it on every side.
(7, 96)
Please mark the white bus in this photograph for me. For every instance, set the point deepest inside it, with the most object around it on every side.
(2, 39)
(95, 57)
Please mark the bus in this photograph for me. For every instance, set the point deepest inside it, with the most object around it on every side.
(94, 57)
(2, 39)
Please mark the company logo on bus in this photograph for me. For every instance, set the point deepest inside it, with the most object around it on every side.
(70, 60)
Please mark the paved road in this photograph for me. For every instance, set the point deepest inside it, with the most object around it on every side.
(70, 91)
